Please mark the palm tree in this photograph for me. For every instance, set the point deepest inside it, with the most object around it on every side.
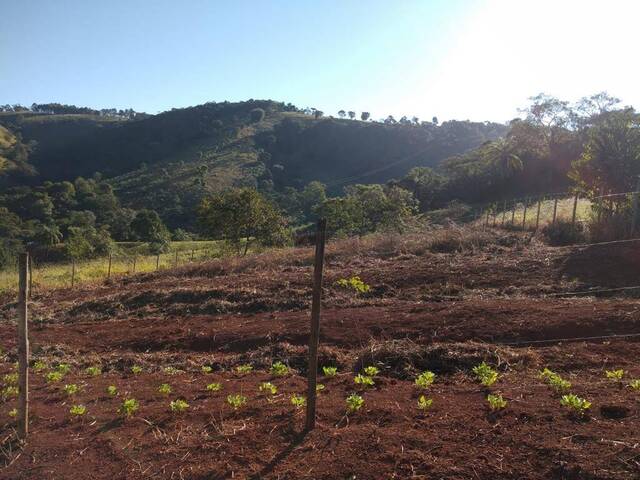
(502, 154)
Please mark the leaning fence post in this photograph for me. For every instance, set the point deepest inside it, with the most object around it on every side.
(538, 213)
(575, 209)
(314, 335)
(555, 210)
(109, 267)
(23, 346)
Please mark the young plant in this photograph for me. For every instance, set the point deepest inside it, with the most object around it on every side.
(298, 401)
(164, 389)
(93, 371)
(496, 402)
(268, 388)
(575, 403)
(10, 379)
(39, 366)
(486, 375)
(244, 369)
(136, 369)
(555, 381)
(10, 391)
(129, 407)
(614, 375)
(371, 371)
(354, 402)
(171, 370)
(63, 368)
(329, 371)
(363, 381)
(236, 401)
(178, 406)
(425, 379)
(206, 369)
(13, 413)
(279, 369)
(214, 387)
(354, 283)
(319, 387)
(71, 389)
(53, 377)
(78, 410)
(112, 391)
(635, 384)
(424, 403)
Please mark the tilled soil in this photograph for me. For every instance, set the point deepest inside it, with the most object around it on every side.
(447, 312)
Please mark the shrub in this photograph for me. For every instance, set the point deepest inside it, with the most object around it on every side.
(93, 371)
(354, 402)
(329, 371)
(575, 403)
(71, 389)
(424, 403)
(363, 381)
(279, 369)
(244, 369)
(112, 391)
(268, 387)
(425, 379)
(78, 410)
(214, 387)
(486, 375)
(236, 401)
(564, 232)
(178, 406)
(164, 389)
(354, 283)
(298, 401)
(257, 115)
(206, 369)
(129, 407)
(496, 402)
(371, 371)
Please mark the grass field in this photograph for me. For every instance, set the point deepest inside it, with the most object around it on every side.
(564, 212)
(131, 257)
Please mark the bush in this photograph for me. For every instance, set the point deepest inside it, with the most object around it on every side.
(564, 232)
(257, 115)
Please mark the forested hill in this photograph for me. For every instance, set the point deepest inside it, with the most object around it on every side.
(221, 144)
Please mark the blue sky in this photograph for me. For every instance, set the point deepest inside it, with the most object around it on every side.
(477, 59)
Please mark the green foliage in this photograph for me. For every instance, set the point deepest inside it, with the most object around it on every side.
(555, 381)
(371, 371)
(354, 402)
(129, 407)
(635, 384)
(38, 366)
(112, 390)
(424, 403)
(10, 391)
(236, 401)
(486, 375)
(214, 387)
(165, 389)
(94, 371)
(425, 379)
(496, 402)
(279, 369)
(178, 406)
(329, 371)
(63, 368)
(10, 379)
(78, 410)
(136, 369)
(13, 413)
(615, 375)
(564, 232)
(206, 369)
(148, 227)
(298, 401)
(171, 371)
(575, 403)
(244, 369)
(354, 283)
(71, 389)
(54, 377)
(268, 387)
(319, 387)
(363, 381)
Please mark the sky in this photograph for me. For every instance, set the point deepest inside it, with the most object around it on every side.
(462, 59)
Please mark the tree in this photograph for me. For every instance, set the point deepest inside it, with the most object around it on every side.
(148, 227)
(341, 113)
(243, 215)
(390, 120)
(364, 116)
(317, 114)
(503, 156)
(352, 114)
(434, 120)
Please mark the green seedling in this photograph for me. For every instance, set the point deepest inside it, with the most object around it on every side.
(496, 402)
(63, 368)
(10, 379)
(136, 369)
(424, 403)
(371, 371)
(268, 387)
(614, 375)
(53, 377)
(93, 371)
(39, 366)
(112, 391)
(244, 369)
(178, 406)
(13, 413)
(236, 401)
(10, 391)
(71, 389)
(164, 389)
(635, 384)
(555, 381)
(78, 410)
(298, 401)
(214, 387)
(279, 369)
(329, 371)
(171, 371)
(129, 407)
(206, 369)
(354, 283)
(575, 403)
(363, 381)
(486, 375)
(319, 387)
(354, 402)
(425, 379)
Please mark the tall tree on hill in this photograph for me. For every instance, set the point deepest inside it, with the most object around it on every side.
(364, 116)
(352, 114)
(341, 113)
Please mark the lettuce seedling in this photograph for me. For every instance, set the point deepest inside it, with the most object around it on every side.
(496, 402)
(93, 371)
(424, 403)
(78, 410)
(13, 413)
(425, 379)
(298, 401)
(236, 401)
(354, 283)
(614, 375)
(279, 369)
(39, 366)
(63, 368)
(178, 406)
(268, 387)
(165, 389)
(243, 369)
(10, 391)
(371, 371)
(577, 404)
(635, 384)
(71, 389)
(319, 387)
(10, 379)
(329, 371)
(136, 369)
(129, 407)
(112, 391)
(363, 381)
(53, 377)
(214, 387)
(555, 381)
(354, 402)
(206, 369)
(486, 375)
(171, 371)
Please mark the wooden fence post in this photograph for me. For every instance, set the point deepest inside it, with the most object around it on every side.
(575, 209)
(524, 214)
(314, 334)
(555, 210)
(513, 214)
(73, 272)
(134, 263)
(158, 262)
(193, 252)
(109, 267)
(504, 212)
(634, 209)
(538, 213)
(30, 276)
(23, 347)
(486, 220)
(176, 260)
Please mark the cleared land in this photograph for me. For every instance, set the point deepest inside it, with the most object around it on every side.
(429, 308)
